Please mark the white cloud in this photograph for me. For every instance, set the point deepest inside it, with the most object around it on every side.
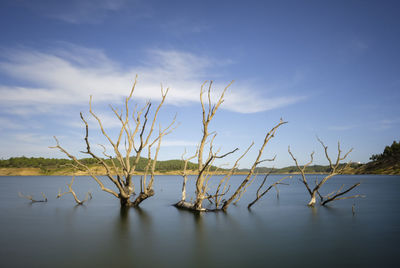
(68, 76)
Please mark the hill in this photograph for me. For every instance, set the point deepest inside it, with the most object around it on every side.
(387, 162)
(53, 166)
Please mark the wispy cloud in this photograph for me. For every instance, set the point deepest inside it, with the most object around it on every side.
(342, 127)
(388, 123)
(68, 76)
(180, 26)
(6, 123)
(174, 143)
(75, 11)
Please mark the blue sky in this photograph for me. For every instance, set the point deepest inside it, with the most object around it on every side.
(330, 68)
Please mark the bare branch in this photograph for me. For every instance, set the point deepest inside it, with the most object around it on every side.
(244, 189)
(30, 197)
(338, 194)
(265, 160)
(258, 195)
(71, 191)
(100, 160)
(267, 138)
(228, 176)
(83, 166)
(333, 171)
(302, 169)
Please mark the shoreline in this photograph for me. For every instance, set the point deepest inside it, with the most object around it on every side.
(99, 172)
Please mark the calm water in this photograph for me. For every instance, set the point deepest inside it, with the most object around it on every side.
(280, 232)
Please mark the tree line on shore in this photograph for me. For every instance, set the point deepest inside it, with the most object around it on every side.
(390, 157)
(53, 164)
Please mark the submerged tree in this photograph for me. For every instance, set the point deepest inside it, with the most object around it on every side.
(335, 169)
(219, 198)
(30, 197)
(137, 136)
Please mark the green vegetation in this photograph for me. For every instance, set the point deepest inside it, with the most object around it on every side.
(387, 162)
(391, 154)
(50, 165)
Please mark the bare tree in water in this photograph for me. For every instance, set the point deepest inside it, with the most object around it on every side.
(335, 169)
(137, 134)
(207, 156)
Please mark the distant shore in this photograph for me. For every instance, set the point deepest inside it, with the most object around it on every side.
(98, 171)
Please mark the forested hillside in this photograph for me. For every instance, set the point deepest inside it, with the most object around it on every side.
(51, 165)
(388, 162)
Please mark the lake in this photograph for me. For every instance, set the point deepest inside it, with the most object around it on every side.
(280, 232)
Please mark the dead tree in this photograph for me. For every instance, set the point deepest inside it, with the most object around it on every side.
(71, 191)
(335, 169)
(205, 162)
(137, 137)
(30, 197)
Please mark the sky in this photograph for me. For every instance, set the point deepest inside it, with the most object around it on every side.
(329, 68)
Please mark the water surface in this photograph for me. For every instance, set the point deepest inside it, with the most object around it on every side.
(280, 232)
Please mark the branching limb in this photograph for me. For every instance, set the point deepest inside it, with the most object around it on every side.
(338, 194)
(267, 138)
(71, 191)
(334, 167)
(147, 191)
(228, 176)
(244, 189)
(258, 195)
(85, 167)
(334, 170)
(100, 160)
(30, 197)
(302, 169)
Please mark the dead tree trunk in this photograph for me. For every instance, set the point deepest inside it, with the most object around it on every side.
(120, 166)
(204, 166)
(334, 170)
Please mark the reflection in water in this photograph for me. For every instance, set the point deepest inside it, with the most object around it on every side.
(122, 222)
(145, 222)
(314, 214)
